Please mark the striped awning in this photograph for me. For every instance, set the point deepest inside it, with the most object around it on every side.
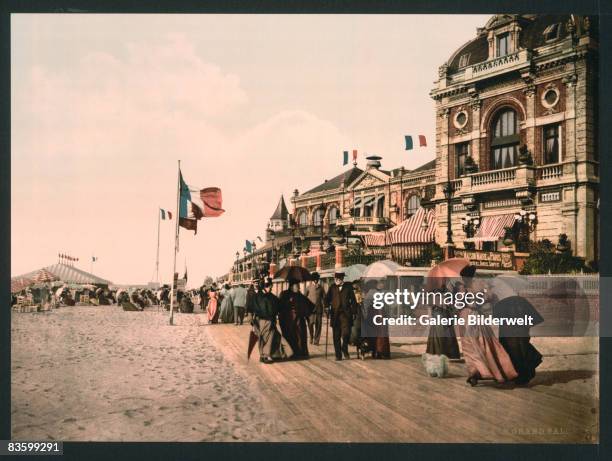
(376, 239)
(492, 227)
(413, 230)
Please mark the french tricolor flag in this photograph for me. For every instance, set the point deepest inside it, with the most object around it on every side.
(195, 204)
(409, 143)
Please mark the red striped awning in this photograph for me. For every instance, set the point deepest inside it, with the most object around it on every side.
(376, 239)
(419, 228)
(492, 227)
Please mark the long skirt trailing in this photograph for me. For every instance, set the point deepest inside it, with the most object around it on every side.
(484, 356)
(226, 314)
(271, 342)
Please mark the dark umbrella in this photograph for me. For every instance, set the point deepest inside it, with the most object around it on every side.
(297, 273)
(253, 338)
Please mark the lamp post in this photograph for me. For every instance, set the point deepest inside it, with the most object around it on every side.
(449, 245)
(527, 222)
(323, 211)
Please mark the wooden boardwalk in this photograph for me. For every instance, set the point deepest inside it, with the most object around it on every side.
(321, 400)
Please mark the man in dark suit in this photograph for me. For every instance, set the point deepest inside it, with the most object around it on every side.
(342, 305)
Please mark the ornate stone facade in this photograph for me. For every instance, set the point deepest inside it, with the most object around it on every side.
(516, 134)
(548, 81)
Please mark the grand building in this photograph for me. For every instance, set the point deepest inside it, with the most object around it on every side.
(516, 158)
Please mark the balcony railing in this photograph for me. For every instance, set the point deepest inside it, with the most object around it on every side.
(550, 172)
(457, 184)
(493, 177)
(362, 220)
(498, 65)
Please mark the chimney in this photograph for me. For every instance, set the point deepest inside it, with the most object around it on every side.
(373, 162)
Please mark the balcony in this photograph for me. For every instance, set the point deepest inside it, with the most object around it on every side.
(549, 173)
(489, 178)
(362, 220)
(495, 180)
(496, 66)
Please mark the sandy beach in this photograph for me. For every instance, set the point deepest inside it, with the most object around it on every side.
(99, 373)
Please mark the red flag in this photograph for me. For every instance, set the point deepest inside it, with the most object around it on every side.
(422, 141)
(211, 197)
(169, 215)
(354, 155)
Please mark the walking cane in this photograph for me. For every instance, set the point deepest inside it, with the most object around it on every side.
(327, 332)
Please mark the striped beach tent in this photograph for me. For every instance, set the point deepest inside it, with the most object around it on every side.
(413, 230)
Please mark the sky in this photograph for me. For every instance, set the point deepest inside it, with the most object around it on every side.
(104, 106)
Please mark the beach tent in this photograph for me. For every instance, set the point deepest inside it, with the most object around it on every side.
(68, 274)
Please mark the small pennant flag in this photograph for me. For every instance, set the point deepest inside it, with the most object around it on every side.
(248, 246)
(408, 142)
(165, 213)
(422, 141)
(354, 155)
(345, 157)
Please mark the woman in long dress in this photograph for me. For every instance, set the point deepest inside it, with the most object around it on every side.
(379, 341)
(226, 313)
(485, 357)
(442, 339)
(264, 307)
(212, 308)
(293, 316)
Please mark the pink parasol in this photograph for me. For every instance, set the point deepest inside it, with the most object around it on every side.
(438, 276)
(44, 276)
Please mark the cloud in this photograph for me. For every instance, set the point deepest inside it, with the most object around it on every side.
(95, 148)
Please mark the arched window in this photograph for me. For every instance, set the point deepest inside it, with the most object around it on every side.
(318, 217)
(332, 215)
(302, 219)
(505, 140)
(412, 205)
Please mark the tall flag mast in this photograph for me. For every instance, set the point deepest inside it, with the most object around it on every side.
(176, 243)
(192, 204)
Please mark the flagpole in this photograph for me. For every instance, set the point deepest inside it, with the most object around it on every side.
(176, 239)
(157, 259)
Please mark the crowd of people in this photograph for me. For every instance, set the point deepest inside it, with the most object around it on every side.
(299, 315)
(283, 326)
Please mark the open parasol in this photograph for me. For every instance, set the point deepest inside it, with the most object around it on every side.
(19, 284)
(380, 269)
(354, 272)
(44, 276)
(297, 273)
(438, 276)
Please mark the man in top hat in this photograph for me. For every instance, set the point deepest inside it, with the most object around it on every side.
(316, 294)
(342, 305)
